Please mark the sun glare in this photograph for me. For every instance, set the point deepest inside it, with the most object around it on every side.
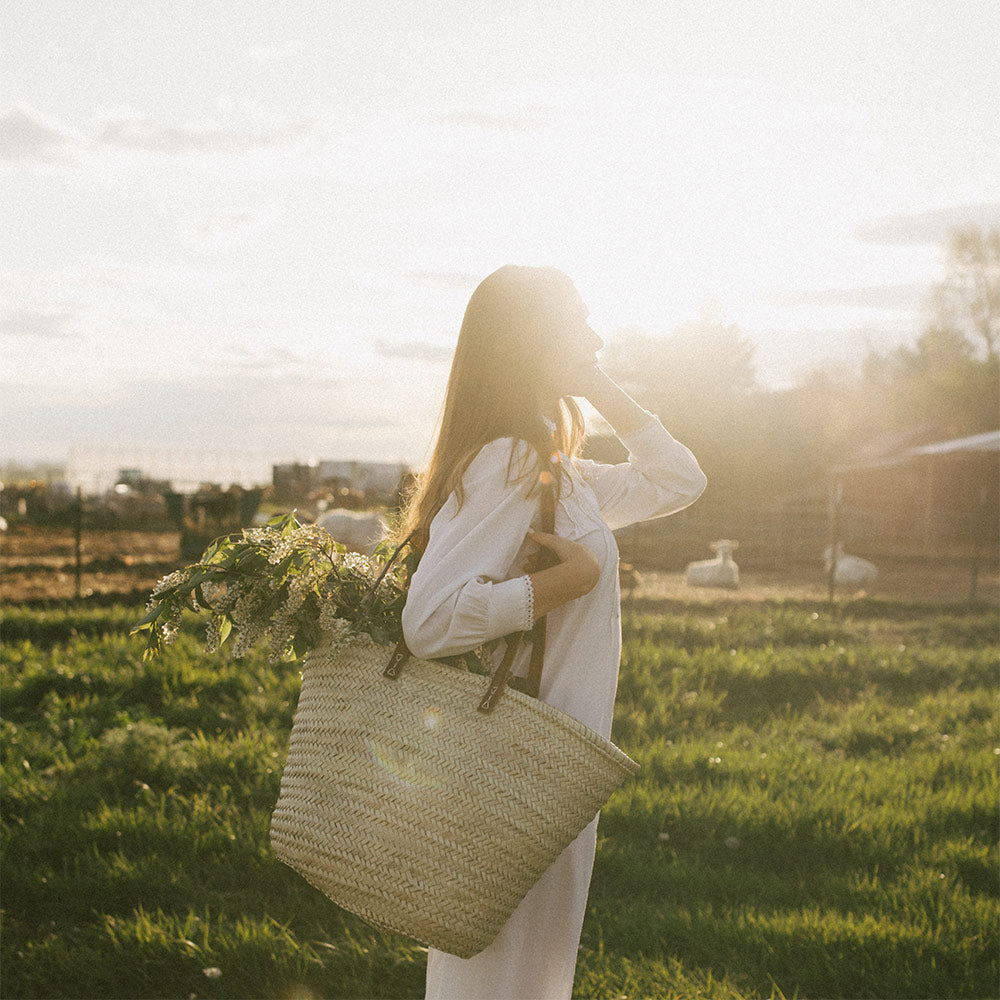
(657, 194)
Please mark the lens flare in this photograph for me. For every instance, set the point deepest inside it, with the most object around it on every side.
(433, 718)
(400, 758)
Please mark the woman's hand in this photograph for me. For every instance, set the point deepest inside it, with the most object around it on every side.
(568, 359)
(576, 573)
(614, 404)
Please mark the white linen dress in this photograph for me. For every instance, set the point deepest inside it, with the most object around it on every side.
(470, 587)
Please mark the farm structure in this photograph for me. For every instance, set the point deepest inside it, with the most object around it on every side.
(936, 503)
(942, 494)
(343, 484)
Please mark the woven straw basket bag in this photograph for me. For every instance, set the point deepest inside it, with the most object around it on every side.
(407, 805)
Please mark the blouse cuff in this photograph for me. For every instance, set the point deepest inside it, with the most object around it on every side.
(530, 587)
(511, 606)
(651, 433)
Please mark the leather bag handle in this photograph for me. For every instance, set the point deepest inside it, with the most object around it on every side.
(530, 684)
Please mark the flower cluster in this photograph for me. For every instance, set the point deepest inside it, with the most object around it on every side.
(289, 585)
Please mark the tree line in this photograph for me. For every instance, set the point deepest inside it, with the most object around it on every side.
(757, 443)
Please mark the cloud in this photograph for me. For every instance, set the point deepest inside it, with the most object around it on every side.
(27, 135)
(105, 281)
(274, 362)
(524, 120)
(447, 279)
(933, 227)
(216, 223)
(228, 228)
(903, 297)
(145, 134)
(38, 323)
(277, 418)
(413, 350)
(265, 53)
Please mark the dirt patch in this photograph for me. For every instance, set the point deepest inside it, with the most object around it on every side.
(40, 563)
(932, 583)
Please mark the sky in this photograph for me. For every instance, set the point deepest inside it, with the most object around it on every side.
(246, 232)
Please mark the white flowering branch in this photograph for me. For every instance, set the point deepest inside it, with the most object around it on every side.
(289, 584)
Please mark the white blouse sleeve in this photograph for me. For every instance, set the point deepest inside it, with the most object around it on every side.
(660, 477)
(459, 596)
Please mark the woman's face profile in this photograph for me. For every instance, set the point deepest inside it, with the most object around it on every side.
(568, 349)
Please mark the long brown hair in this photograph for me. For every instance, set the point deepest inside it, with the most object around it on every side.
(496, 385)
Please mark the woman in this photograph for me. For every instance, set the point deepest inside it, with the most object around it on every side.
(509, 423)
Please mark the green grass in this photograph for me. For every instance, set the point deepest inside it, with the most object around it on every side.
(816, 817)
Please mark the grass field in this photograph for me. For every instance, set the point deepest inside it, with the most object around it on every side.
(816, 817)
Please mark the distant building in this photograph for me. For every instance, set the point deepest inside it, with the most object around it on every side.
(293, 480)
(932, 497)
(381, 478)
(130, 477)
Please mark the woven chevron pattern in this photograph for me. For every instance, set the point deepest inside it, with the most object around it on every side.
(410, 808)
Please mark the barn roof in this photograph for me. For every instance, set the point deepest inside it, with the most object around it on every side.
(990, 441)
(986, 442)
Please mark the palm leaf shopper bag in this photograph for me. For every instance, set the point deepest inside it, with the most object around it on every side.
(425, 806)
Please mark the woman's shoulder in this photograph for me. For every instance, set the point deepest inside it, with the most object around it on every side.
(505, 459)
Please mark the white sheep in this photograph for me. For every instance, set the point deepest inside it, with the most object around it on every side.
(359, 530)
(851, 570)
(718, 572)
(629, 579)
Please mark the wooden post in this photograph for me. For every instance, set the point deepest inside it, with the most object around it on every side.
(836, 497)
(979, 529)
(929, 534)
(78, 536)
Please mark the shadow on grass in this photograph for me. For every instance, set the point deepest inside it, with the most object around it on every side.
(808, 913)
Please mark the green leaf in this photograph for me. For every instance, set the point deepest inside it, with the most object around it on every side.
(149, 617)
(154, 646)
(307, 636)
(213, 547)
(225, 557)
(282, 568)
(198, 577)
(270, 607)
(250, 560)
